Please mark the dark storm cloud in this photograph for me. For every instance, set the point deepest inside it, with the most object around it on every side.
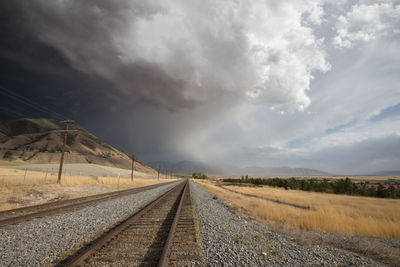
(213, 80)
(81, 34)
(41, 72)
(181, 54)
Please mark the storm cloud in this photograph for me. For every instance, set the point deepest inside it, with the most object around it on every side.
(237, 82)
(179, 54)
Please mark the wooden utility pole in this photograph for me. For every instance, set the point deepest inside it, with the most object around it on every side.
(133, 162)
(67, 122)
(158, 176)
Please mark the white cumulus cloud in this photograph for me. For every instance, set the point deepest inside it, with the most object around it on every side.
(366, 22)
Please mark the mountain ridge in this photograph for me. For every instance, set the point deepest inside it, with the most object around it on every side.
(40, 141)
(385, 173)
(188, 167)
(283, 171)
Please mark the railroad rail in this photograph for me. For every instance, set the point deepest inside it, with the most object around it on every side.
(14, 216)
(160, 234)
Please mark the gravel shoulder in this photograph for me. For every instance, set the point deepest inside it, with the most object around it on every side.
(41, 241)
(230, 239)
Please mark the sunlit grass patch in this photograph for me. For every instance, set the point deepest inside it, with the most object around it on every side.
(326, 213)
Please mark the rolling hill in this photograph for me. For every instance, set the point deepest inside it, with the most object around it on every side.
(40, 141)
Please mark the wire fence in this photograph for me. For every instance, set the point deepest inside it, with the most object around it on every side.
(69, 177)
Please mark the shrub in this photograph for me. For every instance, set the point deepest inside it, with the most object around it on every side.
(199, 175)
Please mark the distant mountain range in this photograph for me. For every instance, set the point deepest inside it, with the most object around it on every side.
(40, 141)
(189, 167)
(183, 167)
(385, 173)
(283, 171)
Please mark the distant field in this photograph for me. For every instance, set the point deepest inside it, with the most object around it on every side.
(305, 211)
(354, 178)
(9, 163)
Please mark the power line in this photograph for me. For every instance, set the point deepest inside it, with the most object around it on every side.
(29, 102)
(31, 106)
(10, 111)
(20, 113)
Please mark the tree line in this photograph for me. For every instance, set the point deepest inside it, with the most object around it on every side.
(342, 186)
(199, 175)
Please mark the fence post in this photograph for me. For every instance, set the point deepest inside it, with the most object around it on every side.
(45, 175)
(25, 174)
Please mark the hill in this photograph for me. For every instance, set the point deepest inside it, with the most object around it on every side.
(40, 141)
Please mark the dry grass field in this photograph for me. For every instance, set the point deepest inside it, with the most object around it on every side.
(299, 210)
(9, 163)
(38, 187)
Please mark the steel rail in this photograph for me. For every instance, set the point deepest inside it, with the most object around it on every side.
(81, 255)
(163, 262)
(66, 205)
(59, 202)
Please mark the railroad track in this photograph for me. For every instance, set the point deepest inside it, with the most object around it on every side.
(161, 234)
(27, 213)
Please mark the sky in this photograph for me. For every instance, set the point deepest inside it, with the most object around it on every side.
(313, 84)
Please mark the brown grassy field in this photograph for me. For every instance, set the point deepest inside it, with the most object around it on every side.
(299, 210)
(353, 178)
(37, 188)
(9, 163)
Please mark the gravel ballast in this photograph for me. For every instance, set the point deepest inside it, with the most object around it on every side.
(41, 241)
(230, 239)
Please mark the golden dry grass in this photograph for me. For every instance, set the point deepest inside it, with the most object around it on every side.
(9, 176)
(11, 163)
(15, 191)
(320, 212)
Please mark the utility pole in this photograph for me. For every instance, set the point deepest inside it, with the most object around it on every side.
(67, 122)
(158, 176)
(133, 162)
